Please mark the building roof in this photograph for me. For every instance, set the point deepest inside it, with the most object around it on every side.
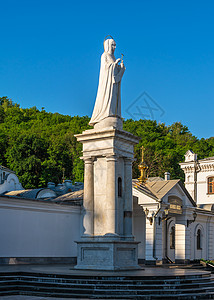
(155, 188)
(159, 188)
(72, 198)
(206, 206)
(141, 187)
(32, 193)
(207, 158)
(155, 179)
(6, 169)
(75, 198)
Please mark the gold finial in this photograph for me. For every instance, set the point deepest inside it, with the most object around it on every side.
(142, 168)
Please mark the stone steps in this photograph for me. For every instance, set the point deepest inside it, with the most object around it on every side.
(107, 287)
(94, 285)
(102, 278)
(190, 296)
(101, 289)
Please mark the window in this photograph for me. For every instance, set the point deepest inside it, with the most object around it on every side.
(172, 238)
(198, 239)
(119, 187)
(211, 185)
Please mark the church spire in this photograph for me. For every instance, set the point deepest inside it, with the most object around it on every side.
(142, 168)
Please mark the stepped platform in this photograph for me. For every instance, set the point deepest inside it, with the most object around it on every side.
(63, 281)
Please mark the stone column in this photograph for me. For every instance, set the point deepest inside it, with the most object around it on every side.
(149, 241)
(88, 203)
(182, 242)
(128, 202)
(158, 240)
(111, 197)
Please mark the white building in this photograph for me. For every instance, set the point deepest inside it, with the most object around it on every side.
(199, 178)
(169, 224)
(8, 181)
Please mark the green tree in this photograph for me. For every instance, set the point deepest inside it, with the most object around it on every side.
(39, 145)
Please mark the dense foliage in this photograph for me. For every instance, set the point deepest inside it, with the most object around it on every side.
(41, 146)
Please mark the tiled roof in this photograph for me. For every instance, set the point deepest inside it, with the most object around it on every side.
(161, 188)
(143, 188)
(158, 189)
(31, 193)
(70, 198)
(27, 194)
(155, 179)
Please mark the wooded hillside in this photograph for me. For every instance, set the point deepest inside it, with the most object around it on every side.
(40, 146)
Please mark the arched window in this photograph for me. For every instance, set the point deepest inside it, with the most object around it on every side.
(119, 187)
(172, 237)
(198, 239)
(210, 187)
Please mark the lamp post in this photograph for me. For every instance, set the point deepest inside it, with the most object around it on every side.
(191, 221)
(166, 214)
(149, 218)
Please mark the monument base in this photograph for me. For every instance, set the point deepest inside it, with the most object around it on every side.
(111, 121)
(107, 255)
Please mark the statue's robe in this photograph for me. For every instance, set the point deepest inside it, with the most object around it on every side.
(108, 100)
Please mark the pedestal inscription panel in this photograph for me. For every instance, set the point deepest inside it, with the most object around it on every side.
(107, 255)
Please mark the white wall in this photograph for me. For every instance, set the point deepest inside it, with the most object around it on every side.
(205, 223)
(202, 191)
(38, 229)
(205, 169)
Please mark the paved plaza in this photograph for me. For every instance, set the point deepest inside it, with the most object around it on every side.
(21, 297)
(69, 270)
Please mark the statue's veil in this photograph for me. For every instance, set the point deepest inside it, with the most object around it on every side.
(107, 43)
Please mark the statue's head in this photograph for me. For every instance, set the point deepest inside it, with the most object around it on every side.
(109, 46)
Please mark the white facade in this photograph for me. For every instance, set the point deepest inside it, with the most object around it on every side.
(163, 209)
(8, 181)
(156, 240)
(197, 173)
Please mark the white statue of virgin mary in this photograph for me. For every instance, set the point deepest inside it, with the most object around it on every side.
(108, 100)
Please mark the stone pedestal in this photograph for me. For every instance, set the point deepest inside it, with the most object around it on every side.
(107, 242)
(107, 254)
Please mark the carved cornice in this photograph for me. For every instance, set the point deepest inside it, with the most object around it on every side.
(199, 168)
(188, 169)
(207, 167)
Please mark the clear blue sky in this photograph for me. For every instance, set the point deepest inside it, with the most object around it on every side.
(50, 56)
